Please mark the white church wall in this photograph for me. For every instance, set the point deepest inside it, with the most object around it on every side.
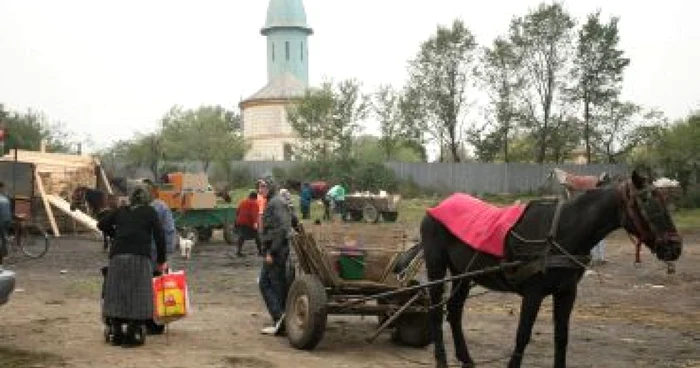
(266, 128)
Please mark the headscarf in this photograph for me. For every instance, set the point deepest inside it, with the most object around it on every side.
(141, 196)
(286, 196)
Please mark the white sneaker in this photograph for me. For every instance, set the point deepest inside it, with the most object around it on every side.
(270, 330)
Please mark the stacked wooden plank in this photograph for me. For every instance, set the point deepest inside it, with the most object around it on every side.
(58, 174)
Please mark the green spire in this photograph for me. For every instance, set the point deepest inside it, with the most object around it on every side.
(287, 33)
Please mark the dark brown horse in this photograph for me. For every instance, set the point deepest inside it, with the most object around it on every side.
(92, 202)
(553, 239)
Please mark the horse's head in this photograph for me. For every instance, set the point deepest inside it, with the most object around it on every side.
(645, 215)
(77, 198)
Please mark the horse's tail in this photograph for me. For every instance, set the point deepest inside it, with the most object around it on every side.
(405, 258)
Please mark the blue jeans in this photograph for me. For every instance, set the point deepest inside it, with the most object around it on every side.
(598, 252)
(273, 286)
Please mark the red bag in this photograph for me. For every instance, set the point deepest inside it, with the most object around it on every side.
(170, 297)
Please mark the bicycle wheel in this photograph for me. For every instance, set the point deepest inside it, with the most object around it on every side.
(34, 241)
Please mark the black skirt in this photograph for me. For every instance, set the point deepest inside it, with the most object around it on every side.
(128, 290)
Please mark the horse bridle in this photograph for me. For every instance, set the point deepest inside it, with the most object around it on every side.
(634, 214)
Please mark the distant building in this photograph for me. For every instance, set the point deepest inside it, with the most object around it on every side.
(265, 125)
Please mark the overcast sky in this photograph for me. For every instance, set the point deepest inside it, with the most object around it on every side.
(109, 69)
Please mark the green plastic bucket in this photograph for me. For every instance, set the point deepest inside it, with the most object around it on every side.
(352, 267)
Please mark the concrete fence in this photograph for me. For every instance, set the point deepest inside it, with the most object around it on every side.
(469, 177)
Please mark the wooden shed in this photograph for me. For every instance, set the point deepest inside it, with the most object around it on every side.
(56, 175)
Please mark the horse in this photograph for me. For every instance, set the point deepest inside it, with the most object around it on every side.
(93, 202)
(552, 238)
(577, 183)
(319, 188)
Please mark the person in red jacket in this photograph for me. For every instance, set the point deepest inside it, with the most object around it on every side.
(247, 220)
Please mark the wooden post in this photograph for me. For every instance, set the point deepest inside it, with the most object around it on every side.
(47, 206)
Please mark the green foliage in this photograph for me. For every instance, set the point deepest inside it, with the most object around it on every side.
(598, 68)
(205, 134)
(27, 130)
(502, 76)
(371, 149)
(440, 76)
(358, 175)
(395, 129)
(542, 42)
(327, 119)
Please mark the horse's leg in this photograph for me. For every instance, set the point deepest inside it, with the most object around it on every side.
(455, 310)
(529, 308)
(437, 269)
(563, 305)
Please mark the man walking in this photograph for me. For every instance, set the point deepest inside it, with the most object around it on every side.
(247, 216)
(305, 198)
(276, 232)
(337, 197)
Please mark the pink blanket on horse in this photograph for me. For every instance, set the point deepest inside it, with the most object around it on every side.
(477, 223)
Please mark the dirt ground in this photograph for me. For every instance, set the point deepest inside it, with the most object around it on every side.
(637, 317)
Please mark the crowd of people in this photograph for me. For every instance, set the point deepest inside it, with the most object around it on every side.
(143, 234)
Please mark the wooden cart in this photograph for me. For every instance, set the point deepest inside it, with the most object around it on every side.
(318, 290)
(371, 207)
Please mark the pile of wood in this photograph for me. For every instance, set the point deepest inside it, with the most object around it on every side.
(58, 174)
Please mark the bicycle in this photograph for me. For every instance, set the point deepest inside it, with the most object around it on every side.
(29, 237)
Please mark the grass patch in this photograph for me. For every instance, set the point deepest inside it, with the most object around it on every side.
(411, 211)
(687, 219)
(15, 358)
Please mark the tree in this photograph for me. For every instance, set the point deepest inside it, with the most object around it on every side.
(386, 107)
(439, 78)
(310, 118)
(624, 126)
(598, 69)
(541, 40)
(351, 106)
(502, 78)
(327, 119)
(27, 130)
(205, 134)
(146, 150)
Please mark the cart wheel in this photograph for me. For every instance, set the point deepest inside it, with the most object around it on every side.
(230, 234)
(355, 215)
(306, 317)
(390, 216)
(370, 213)
(412, 330)
(204, 234)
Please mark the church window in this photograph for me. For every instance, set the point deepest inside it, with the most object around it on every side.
(288, 152)
(302, 50)
(286, 44)
(273, 51)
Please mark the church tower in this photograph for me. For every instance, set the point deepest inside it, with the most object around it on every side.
(287, 32)
(265, 125)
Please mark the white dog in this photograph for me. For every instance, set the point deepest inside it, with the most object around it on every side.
(186, 245)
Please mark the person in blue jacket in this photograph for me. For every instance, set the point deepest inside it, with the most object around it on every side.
(305, 198)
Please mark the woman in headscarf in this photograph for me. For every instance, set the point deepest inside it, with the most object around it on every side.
(128, 298)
